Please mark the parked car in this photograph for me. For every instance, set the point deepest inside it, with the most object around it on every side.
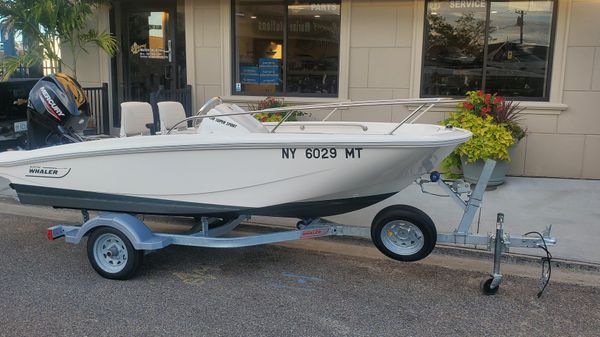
(13, 112)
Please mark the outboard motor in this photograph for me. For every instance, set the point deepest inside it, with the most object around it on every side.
(57, 112)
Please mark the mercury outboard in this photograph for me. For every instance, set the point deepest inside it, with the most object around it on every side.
(57, 112)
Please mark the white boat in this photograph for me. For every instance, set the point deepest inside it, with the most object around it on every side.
(231, 164)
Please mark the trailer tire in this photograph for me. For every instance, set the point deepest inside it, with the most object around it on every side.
(112, 255)
(404, 233)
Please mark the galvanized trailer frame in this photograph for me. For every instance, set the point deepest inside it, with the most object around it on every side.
(142, 238)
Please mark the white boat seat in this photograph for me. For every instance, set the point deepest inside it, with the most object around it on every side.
(134, 118)
(171, 113)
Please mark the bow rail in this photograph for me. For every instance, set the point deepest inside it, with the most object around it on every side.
(424, 105)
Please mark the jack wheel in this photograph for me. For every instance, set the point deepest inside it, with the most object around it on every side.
(112, 255)
(486, 287)
(404, 233)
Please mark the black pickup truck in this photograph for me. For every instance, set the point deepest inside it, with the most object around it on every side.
(13, 112)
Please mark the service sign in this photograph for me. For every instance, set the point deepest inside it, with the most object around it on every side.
(473, 5)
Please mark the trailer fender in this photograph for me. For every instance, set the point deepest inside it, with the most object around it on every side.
(137, 232)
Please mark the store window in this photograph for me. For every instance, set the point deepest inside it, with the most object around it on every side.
(503, 47)
(286, 47)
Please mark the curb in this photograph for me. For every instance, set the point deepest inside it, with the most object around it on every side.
(515, 258)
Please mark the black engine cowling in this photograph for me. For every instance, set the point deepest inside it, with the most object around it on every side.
(57, 111)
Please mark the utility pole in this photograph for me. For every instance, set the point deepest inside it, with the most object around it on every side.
(520, 21)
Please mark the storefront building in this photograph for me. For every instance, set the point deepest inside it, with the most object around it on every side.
(545, 54)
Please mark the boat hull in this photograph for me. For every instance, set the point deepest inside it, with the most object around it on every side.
(60, 198)
(192, 175)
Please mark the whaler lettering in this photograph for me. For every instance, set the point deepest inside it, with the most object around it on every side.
(45, 171)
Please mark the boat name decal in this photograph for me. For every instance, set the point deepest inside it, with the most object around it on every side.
(47, 172)
(322, 153)
(50, 105)
(224, 122)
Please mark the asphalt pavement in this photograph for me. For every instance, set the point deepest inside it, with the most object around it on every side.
(49, 289)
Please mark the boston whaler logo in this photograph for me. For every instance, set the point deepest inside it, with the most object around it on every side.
(47, 172)
(50, 105)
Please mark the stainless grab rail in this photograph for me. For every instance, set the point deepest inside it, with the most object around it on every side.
(307, 124)
(209, 104)
(422, 102)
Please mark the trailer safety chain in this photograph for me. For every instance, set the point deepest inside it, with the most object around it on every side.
(458, 186)
(85, 214)
(421, 183)
(546, 265)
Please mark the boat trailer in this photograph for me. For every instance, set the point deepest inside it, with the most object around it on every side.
(118, 242)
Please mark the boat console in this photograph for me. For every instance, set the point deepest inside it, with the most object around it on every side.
(230, 118)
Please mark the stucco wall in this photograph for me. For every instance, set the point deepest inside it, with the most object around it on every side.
(381, 48)
(572, 147)
(205, 49)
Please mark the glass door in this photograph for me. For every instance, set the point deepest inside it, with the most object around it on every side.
(150, 53)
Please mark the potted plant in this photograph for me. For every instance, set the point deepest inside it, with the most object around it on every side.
(269, 103)
(494, 123)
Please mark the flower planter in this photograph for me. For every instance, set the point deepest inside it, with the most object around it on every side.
(472, 171)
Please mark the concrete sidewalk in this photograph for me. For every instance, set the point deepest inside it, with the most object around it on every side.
(571, 206)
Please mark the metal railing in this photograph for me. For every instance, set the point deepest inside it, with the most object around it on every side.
(98, 101)
(423, 105)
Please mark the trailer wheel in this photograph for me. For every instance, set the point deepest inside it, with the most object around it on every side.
(112, 255)
(403, 233)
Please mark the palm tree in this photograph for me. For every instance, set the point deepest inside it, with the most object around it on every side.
(48, 26)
